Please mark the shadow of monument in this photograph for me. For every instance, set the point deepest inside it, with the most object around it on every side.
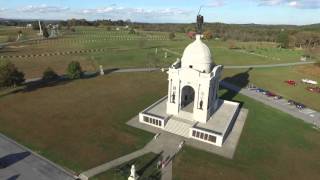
(234, 84)
(146, 166)
(11, 159)
(14, 177)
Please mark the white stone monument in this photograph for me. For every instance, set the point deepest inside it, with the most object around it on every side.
(101, 70)
(133, 174)
(192, 108)
(40, 29)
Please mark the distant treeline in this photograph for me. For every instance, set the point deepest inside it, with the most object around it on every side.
(306, 36)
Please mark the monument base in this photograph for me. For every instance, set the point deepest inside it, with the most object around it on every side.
(214, 131)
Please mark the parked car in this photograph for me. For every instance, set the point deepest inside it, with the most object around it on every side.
(277, 97)
(291, 82)
(270, 94)
(259, 90)
(300, 106)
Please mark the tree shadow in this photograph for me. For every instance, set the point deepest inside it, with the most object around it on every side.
(61, 80)
(11, 159)
(34, 85)
(14, 177)
(234, 84)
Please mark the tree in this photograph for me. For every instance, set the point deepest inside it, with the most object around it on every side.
(49, 75)
(283, 39)
(207, 35)
(45, 32)
(9, 74)
(74, 70)
(132, 31)
(172, 35)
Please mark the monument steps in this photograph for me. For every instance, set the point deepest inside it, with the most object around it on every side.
(178, 127)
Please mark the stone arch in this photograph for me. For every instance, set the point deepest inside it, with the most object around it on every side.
(187, 98)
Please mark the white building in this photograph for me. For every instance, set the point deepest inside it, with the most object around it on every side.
(192, 108)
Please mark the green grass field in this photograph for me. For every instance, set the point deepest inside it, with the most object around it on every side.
(81, 124)
(76, 124)
(84, 126)
(273, 145)
(132, 50)
(272, 79)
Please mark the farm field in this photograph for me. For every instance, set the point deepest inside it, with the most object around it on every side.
(273, 145)
(272, 79)
(269, 142)
(113, 49)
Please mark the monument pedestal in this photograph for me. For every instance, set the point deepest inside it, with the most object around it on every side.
(133, 178)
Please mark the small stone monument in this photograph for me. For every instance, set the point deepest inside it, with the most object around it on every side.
(156, 51)
(133, 175)
(101, 70)
(166, 55)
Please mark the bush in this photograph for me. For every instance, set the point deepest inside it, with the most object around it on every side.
(172, 35)
(9, 74)
(74, 70)
(207, 35)
(49, 75)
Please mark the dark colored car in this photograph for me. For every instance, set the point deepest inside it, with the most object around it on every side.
(300, 106)
(259, 90)
(270, 94)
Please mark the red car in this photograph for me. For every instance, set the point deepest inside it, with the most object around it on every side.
(291, 82)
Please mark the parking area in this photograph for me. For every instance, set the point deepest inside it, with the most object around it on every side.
(291, 107)
(18, 162)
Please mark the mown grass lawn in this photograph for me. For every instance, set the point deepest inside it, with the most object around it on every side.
(81, 124)
(130, 53)
(273, 145)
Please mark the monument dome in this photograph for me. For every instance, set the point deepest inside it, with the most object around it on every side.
(197, 56)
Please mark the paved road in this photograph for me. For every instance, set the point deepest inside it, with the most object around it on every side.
(18, 162)
(269, 65)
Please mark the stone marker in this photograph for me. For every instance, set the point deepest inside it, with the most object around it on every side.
(133, 175)
(101, 70)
